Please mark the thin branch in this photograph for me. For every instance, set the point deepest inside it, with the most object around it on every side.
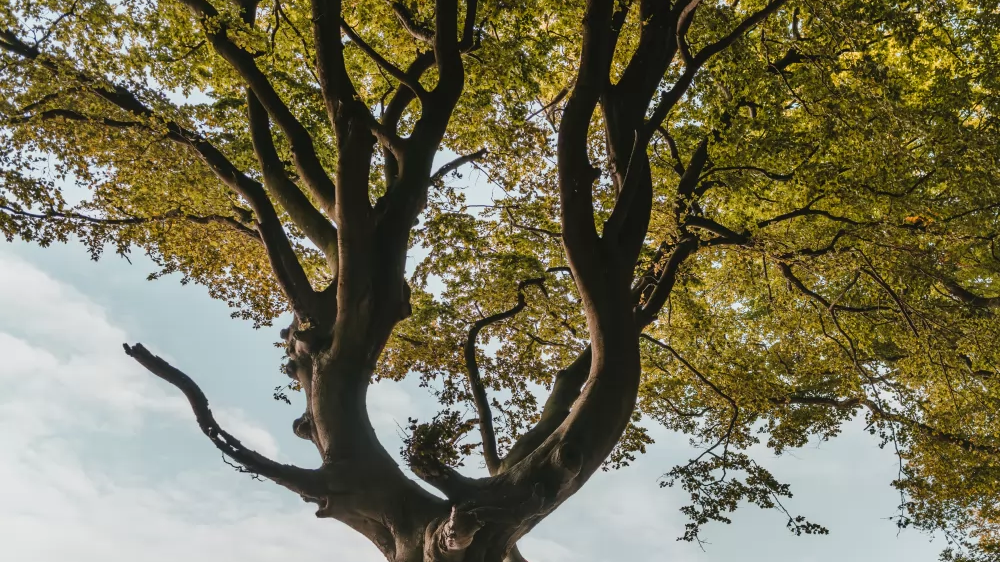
(672, 96)
(786, 271)
(55, 22)
(171, 215)
(384, 64)
(284, 262)
(545, 108)
(455, 164)
(475, 382)
(768, 174)
(732, 403)
(903, 307)
(881, 413)
(807, 211)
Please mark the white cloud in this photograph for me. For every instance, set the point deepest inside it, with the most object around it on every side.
(250, 434)
(68, 391)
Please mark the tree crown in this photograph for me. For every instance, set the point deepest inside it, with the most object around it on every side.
(798, 199)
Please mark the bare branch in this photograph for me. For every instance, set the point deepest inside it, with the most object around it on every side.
(455, 164)
(308, 483)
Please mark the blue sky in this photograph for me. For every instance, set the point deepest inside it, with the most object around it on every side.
(100, 461)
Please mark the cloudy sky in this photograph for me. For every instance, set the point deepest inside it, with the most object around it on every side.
(102, 462)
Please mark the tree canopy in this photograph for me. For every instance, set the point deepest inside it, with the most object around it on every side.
(747, 221)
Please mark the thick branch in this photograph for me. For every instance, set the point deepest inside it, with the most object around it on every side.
(416, 30)
(966, 296)
(666, 280)
(397, 106)
(456, 164)
(308, 483)
(576, 173)
(565, 390)
(316, 227)
(447, 50)
(721, 230)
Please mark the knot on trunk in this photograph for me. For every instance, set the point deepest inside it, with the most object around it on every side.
(568, 458)
(458, 531)
(448, 539)
(305, 336)
(302, 427)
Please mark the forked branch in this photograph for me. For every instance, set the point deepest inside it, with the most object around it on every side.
(672, 96)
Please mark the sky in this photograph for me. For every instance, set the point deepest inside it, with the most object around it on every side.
(101, 461)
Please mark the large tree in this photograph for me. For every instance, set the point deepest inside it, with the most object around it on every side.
(749, 221)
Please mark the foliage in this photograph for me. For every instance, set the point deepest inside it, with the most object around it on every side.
(843, 211)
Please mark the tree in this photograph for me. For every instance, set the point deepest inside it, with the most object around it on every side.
(747, 221)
